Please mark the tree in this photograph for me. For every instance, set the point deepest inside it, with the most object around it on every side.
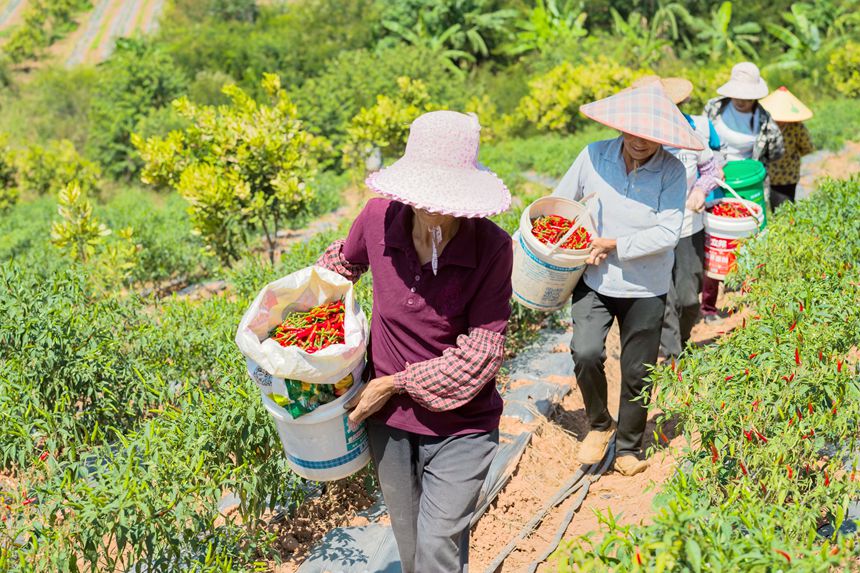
(244, 168)
(137, 78)
(720, 39)
(385, 125)
(461, 32)
(548, 23)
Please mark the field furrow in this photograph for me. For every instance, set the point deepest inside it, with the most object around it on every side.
(94, 23)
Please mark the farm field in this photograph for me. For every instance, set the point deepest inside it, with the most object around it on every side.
(96, 29)
(162, 160)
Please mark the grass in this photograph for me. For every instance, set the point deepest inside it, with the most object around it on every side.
(550, 155)
(835, 122)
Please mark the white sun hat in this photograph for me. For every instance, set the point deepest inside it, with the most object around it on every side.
(746, 83)
(440, 173)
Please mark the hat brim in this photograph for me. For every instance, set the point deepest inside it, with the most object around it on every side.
(740, 90)
(693, 144)
(460, 192)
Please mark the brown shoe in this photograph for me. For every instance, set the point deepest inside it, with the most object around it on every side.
(594, 446)
(629, 465)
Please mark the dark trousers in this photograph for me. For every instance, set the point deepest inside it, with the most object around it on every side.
(640, 321)
(682, 302)
(710, 291)
(779, 194)
(431, 486)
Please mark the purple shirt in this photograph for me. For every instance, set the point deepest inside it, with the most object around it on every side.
(417, 315)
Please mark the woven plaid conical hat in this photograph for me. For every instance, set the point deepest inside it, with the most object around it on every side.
(782, 105)
(646, 112)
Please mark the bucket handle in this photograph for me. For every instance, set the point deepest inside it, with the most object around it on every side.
(573, 226)
(728, 188)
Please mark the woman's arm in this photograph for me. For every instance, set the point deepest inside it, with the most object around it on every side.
(453, 379)
(333, 259)
(348, 257)
(804, 141)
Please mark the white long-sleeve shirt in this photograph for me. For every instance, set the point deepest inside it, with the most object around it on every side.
(643, 210)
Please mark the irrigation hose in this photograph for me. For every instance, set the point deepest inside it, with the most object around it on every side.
(568, 517)
(574, 484)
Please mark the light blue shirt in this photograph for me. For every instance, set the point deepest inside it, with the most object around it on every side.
(643, 210)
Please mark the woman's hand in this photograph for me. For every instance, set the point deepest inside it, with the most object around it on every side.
(600, 249)
(370, 398)
(696, 200)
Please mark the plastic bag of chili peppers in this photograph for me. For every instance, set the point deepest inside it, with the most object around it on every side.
(305, 327)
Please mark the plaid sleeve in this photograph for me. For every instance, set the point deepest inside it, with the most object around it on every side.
(453, 379)
(333, 259)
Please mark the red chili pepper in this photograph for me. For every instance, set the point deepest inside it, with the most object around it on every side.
(791, 421)
(664, 438)
(723, 406)
(748, 435)
(820, 356)
(763, 488)
(746, 371)
(743, 467)
(810, 407)
(44, 456)
(801, 306)
(788, 378)
(839, 365)
(679, 376)
(797, 356)
(760, 436)
(755, 405)
(28, 501)
(638, 558)
(826, 479)
(784, 554)
(753, 355)
(729, 377)
(715, 455)
(790, 472)
(793, 326)
(744, 323)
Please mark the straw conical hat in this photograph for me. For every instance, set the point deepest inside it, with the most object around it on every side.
(647, 113)
(678, 89)
(782, 105)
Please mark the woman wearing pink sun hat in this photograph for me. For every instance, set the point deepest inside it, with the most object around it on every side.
(441, 303)
(640, 193)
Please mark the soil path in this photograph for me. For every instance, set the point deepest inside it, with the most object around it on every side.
(549, 462)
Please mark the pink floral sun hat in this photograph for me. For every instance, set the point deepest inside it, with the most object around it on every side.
(646, 112)
(439, 171)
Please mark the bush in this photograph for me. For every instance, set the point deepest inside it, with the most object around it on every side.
(44, 170)
(554, 98)
(385, 125)
(8, 178)
(844, 68)
(137, 79)
(244, 168)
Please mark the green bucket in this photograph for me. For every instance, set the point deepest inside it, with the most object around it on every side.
(746, 177)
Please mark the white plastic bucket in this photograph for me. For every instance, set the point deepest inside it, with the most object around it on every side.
(323, 445)
(544, 279)
(722, 236)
